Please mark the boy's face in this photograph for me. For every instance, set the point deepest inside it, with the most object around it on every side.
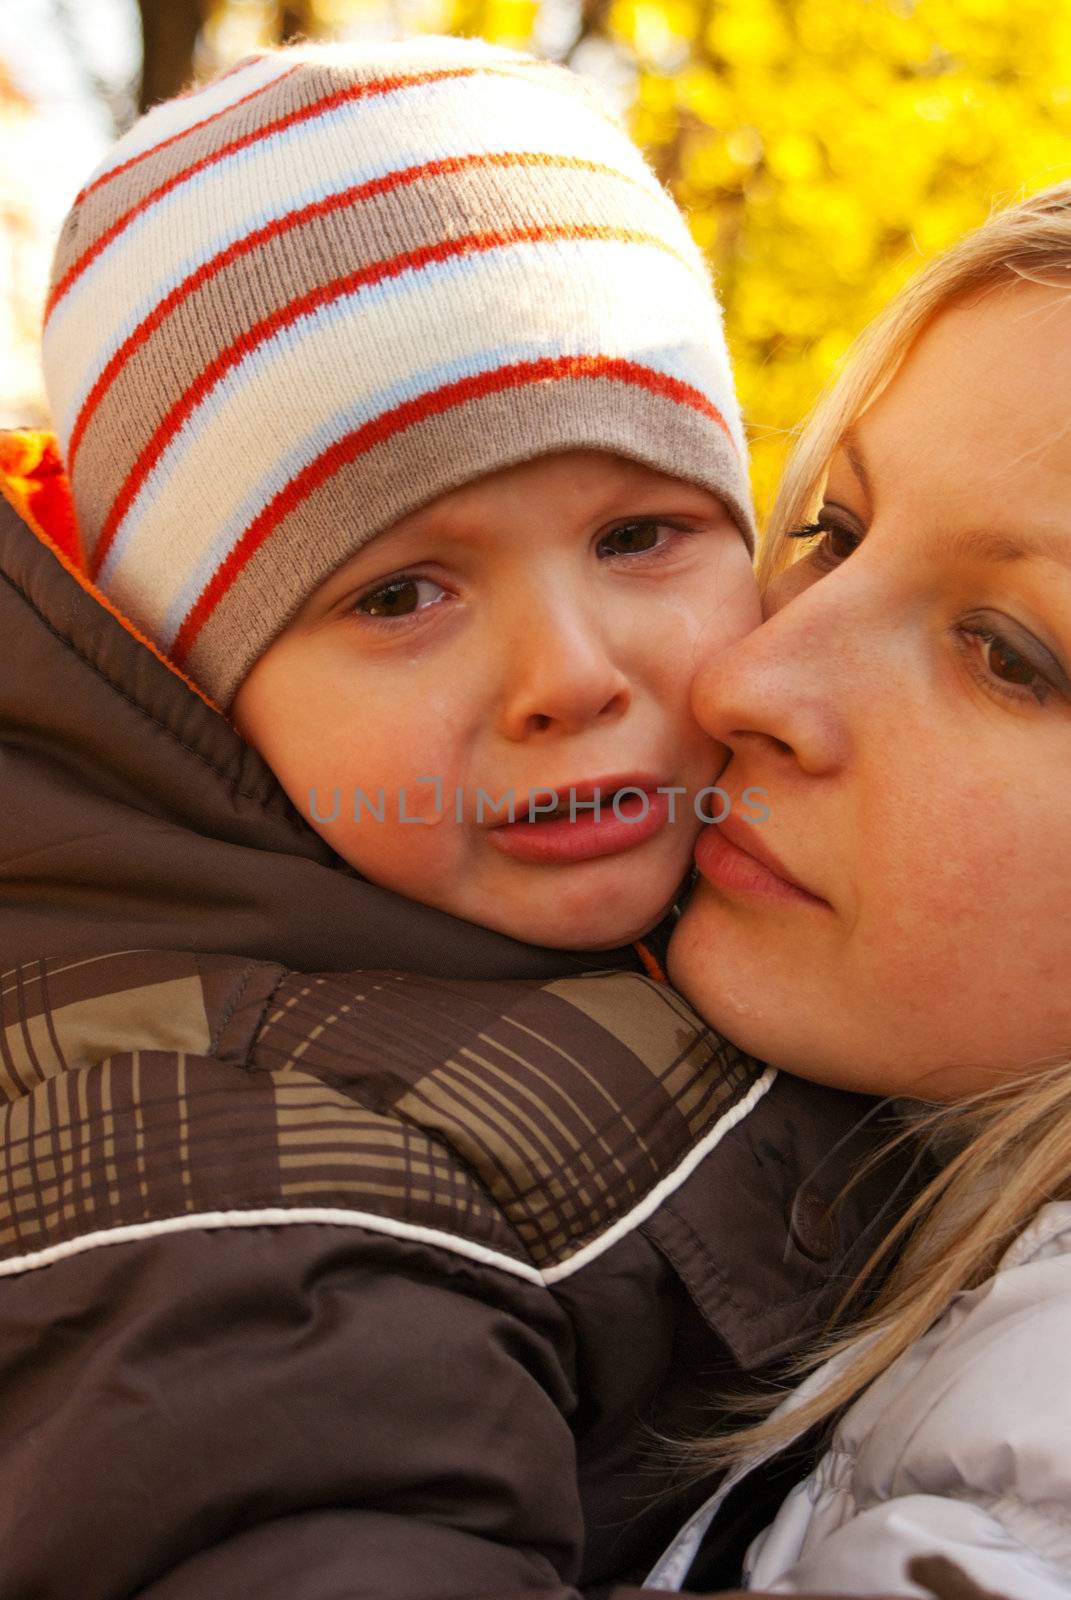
(535, 630)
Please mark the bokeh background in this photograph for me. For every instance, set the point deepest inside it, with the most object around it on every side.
(822, 148)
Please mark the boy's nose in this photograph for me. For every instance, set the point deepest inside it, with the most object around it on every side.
(561, 677)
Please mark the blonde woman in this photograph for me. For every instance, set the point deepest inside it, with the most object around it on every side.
(902, 923)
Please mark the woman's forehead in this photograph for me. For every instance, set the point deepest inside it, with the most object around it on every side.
(977, 421)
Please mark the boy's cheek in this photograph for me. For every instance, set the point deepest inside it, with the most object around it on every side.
(415, 855)
(712, 618)
(731, 610)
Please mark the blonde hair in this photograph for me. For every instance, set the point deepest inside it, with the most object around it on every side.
(1012, 1143)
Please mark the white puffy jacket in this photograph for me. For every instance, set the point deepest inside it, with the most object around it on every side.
(962, 1448)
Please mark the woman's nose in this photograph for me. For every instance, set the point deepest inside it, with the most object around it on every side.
(787, 688)
(562, 675)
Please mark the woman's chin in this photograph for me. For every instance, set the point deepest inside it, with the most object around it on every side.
(763, 1003)
(743, 989)
(729, 1004)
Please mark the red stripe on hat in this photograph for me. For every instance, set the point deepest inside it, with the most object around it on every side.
(362, 439)
(356, 195)
(323, 295)
(195, 127)
(318, 108)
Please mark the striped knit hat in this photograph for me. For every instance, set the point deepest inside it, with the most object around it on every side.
(339, 281)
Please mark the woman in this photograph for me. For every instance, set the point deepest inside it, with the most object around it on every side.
(900, 926)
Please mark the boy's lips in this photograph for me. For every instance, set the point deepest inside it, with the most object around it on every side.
(575, 832)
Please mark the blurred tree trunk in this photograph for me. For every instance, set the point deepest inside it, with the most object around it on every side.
(296, 21)
(592, 22)
(169, 30)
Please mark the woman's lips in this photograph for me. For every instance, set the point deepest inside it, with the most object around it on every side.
(754, 872)
(562, 840)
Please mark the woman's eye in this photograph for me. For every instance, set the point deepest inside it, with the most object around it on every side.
(833, 542)
(1015, 676)
(401, 597)
(634, 538)
(841, 542)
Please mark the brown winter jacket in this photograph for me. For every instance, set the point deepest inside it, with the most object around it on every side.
(320, 1281)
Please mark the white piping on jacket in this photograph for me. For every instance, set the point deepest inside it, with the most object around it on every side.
(339, 1216)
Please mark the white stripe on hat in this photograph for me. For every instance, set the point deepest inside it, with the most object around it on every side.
(176, 116)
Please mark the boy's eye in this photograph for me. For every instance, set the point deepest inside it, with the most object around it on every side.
(631, 538)
(401, 597)
(1006, 663)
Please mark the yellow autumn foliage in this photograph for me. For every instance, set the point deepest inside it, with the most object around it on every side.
(822, 148)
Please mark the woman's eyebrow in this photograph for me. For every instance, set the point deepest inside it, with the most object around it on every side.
(988, 544)
(854, 454)
(976, 544)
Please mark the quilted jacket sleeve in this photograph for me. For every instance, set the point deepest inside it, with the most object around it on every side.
(282, 1413)
(872, 1552)
(292, 1412)
(958, 1453)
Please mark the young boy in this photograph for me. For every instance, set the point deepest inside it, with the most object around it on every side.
(397, 412)
(398, 418)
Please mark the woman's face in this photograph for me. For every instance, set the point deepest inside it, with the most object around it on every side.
(907, 706)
